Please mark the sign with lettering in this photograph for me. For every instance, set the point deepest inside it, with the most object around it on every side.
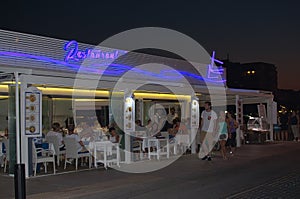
(75, 54)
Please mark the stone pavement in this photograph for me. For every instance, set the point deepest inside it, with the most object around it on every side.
(255, 171)
(285, 187)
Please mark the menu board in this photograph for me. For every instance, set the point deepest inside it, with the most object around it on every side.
(129, 125)
(262, 111)
(195, 114)
(33, 111)
(239, 111)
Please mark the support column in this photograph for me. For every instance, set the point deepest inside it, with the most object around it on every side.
(24, 139)
(19, 170)
(270, 113)
(194, 123)
(129, 123)
(239, 118)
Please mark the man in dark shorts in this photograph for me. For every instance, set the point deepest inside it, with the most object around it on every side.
(284, 119)
(232, 126)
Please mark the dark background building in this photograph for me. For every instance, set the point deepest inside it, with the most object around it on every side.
(256, 75)
(260, 76)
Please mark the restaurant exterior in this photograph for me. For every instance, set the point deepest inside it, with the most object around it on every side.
(46, 80)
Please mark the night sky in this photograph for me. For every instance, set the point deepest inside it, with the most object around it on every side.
(249, 31)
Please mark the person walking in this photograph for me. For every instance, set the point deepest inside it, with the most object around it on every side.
(222, 130)
(277, 129)
(284, 119)
(295, 125)
(208, 127)
(232, 126)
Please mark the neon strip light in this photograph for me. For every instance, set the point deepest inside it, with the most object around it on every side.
(113, 69)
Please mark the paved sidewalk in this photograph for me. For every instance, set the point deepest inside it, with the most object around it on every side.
(284, 187)
(186, 177)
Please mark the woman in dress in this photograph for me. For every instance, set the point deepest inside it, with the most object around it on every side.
(222, 130)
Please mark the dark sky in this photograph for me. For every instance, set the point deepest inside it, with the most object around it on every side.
(249, 31)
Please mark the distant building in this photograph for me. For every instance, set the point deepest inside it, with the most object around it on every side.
(288, 98)
(256, 75)
(260, 76)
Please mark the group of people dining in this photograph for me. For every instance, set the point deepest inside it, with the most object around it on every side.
(157, 124)
(84, 133)
(170, 124)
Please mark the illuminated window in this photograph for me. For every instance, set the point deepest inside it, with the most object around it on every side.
(250, 72)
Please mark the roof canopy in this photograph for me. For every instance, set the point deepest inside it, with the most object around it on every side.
(49, 59)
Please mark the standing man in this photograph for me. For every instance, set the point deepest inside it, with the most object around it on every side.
(208, 127)
(295, 121)
(284, 120)
(170, 117)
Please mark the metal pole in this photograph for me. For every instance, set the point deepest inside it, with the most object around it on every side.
(20, 190)
(18, 143)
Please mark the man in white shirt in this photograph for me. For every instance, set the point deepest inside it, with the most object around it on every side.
(208, 127)
(79, 143)
(56, 131)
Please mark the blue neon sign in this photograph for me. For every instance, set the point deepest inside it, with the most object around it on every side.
(75, 54)
(214, 72)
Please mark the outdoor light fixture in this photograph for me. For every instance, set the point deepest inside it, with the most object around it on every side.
(161, 96)
(3, 97)
(71, 91)
(80, 100)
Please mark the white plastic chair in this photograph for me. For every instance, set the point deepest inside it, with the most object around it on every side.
(183, 140)
(137, 148)
(72, 152)
(160, 149)
(173, 144)
(106, 152)
(58, 153)
(120, 139)
(40, 155)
